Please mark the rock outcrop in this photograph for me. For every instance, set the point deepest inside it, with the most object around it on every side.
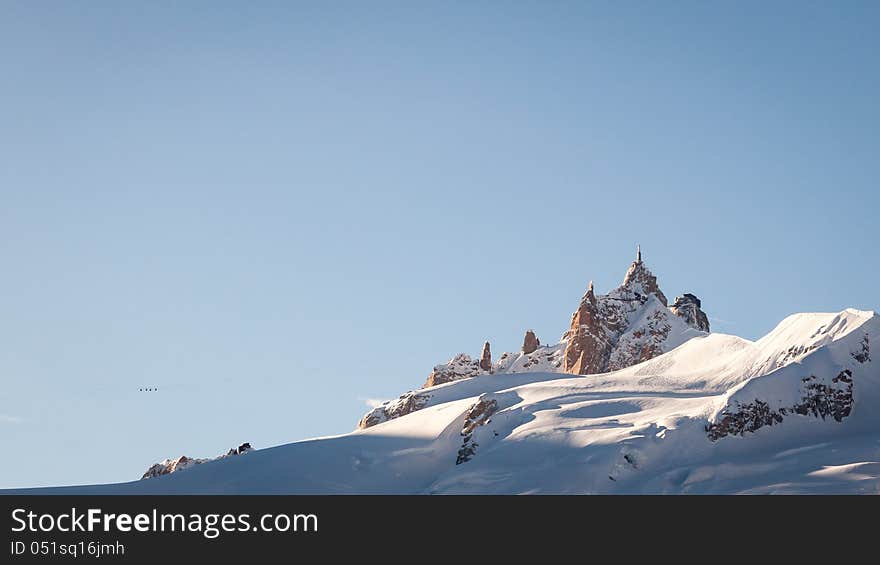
(544, 359)
(819, 400)
(863, 355)
(478, 415)
(462, 366)
(651, 336)
(168, 466)
(486, 358)
(687, 307)
(530, 342)
(403, 405)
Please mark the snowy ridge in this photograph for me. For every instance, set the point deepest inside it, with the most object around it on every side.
(799, 406)
(168, 466)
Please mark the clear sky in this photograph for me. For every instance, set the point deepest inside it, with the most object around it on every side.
(276, 211)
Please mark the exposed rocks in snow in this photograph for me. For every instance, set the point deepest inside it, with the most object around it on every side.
(478, 415)
(644, 342)
(243, 448)
(466, 452)
(530, 342)
(462, 366)
(403, 405)
(794, 352)
(486, 358)
(863, 355)
(747, 418)
(168, 466)
(820, 400)
(546, 359)
(687, 307)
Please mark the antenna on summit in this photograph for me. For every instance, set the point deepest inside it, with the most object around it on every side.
(638, 253)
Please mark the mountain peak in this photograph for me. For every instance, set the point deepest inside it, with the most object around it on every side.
(629, 325)
(641, 281)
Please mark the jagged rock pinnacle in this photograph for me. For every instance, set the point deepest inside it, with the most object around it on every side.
(530, 342)
(486, 358)
(589, 296)
(641, 281)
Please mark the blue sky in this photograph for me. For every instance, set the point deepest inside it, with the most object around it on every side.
(276, 210)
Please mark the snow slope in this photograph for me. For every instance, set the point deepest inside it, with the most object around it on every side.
(792, 412)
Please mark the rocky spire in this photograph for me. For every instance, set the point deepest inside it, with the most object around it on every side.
(585, 352)
(530, 343)
(639, 280)
(589, 296)
(486, 358)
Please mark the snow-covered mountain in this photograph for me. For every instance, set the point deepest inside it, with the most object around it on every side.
(672, 411)
(630, 324)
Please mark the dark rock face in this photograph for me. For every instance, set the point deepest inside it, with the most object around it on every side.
(530, 342)
(823, 400)
(819, 400)
(243, 448)
(486, 358)
(687, 307)
(478, 415)
(863, 355)
(467, 450)
(748, 418)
